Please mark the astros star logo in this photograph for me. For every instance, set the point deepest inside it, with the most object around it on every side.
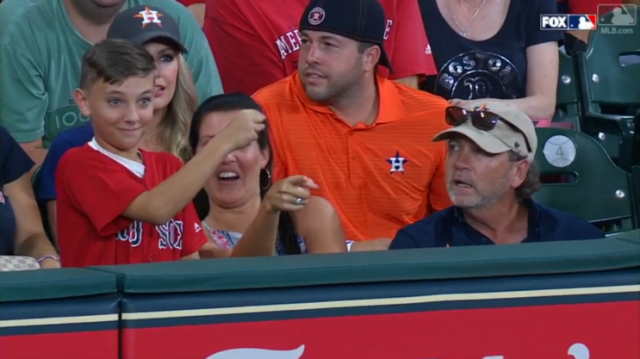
(397, 163)
(316, 16)
(149, 16)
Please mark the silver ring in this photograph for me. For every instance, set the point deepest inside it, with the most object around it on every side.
(299, 200)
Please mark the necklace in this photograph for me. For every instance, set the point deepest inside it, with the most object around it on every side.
(463, 30)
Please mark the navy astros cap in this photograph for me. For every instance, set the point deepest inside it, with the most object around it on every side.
(142, 24)
(360, 20)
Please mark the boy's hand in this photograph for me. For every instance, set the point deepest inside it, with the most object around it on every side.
(243, 129)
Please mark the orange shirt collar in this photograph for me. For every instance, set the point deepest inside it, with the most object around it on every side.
(390, 102)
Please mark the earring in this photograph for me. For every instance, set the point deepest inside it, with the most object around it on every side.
(268, 174)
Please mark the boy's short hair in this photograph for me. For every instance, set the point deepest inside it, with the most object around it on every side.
(114, 61)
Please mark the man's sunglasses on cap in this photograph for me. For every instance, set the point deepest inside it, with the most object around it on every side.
(480, 118)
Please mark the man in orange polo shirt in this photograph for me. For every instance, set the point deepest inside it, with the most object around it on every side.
(363, 139)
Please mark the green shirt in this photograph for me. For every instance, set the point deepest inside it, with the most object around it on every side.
(40, 57)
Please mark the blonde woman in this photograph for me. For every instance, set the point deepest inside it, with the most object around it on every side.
(174, 100)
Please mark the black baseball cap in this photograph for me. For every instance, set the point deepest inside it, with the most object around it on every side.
(144, 23)
(360, 20)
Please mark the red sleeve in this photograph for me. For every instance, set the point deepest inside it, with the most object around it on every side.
(246, 61)
(411, 53)
(194, 237)
(191, 2)
(101, 188)
(588, 6)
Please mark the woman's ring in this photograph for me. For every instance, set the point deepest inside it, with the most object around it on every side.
(299, 201)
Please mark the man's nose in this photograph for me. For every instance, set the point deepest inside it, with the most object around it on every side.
(312, 55)
(461, 159)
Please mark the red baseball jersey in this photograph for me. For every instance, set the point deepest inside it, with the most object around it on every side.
(588, 6)
(190, 2)
(94, 190)
(256, 42)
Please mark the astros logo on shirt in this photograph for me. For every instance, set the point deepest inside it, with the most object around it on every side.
(397, 163)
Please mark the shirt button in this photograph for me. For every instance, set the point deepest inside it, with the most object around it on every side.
(150, 258)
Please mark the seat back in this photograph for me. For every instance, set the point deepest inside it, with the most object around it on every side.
(635, 194)
(608, 75)
(635, 160)
(567, 99)
(599, 191)
(610, 72)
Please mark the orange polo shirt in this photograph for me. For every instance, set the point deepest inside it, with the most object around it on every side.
(380, 177)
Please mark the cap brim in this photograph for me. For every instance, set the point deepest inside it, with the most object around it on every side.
(484, 140)
(152, 35)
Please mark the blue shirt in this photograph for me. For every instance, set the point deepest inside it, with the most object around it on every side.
(448, 227)
(66, 140)
(14, 163)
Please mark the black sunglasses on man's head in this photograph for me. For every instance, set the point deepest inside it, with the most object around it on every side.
(480, 118)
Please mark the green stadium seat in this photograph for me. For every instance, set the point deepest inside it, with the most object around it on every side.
(567, 98)
(636, 140)
(599, 191)
(635, 179)
(605, 83)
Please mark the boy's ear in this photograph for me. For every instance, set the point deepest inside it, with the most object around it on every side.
(82, 101)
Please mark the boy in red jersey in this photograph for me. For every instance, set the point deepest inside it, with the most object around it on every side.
(117, 203)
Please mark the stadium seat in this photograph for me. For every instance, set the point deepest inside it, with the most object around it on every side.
(606, 83)
(567, 99)
(636, 141)
(599, 191)
(635, 179)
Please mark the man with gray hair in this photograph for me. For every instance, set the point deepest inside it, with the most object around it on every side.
(491, 176)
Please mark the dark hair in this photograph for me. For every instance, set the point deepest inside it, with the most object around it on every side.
(364, 46)
(531, 183)
(287, 234)
(114, 61)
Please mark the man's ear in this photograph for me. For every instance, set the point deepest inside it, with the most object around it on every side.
(372, 57)
(521, 170)
(82, 101)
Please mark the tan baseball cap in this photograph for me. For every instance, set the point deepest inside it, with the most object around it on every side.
(502, 137)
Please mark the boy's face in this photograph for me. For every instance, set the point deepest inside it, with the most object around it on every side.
(119, 112)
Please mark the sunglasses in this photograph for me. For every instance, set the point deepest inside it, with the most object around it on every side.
(480, 118)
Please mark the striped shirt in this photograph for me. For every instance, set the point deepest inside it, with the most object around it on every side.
(379, 177)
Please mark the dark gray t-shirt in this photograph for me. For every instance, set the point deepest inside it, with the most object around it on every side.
(493, 68)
